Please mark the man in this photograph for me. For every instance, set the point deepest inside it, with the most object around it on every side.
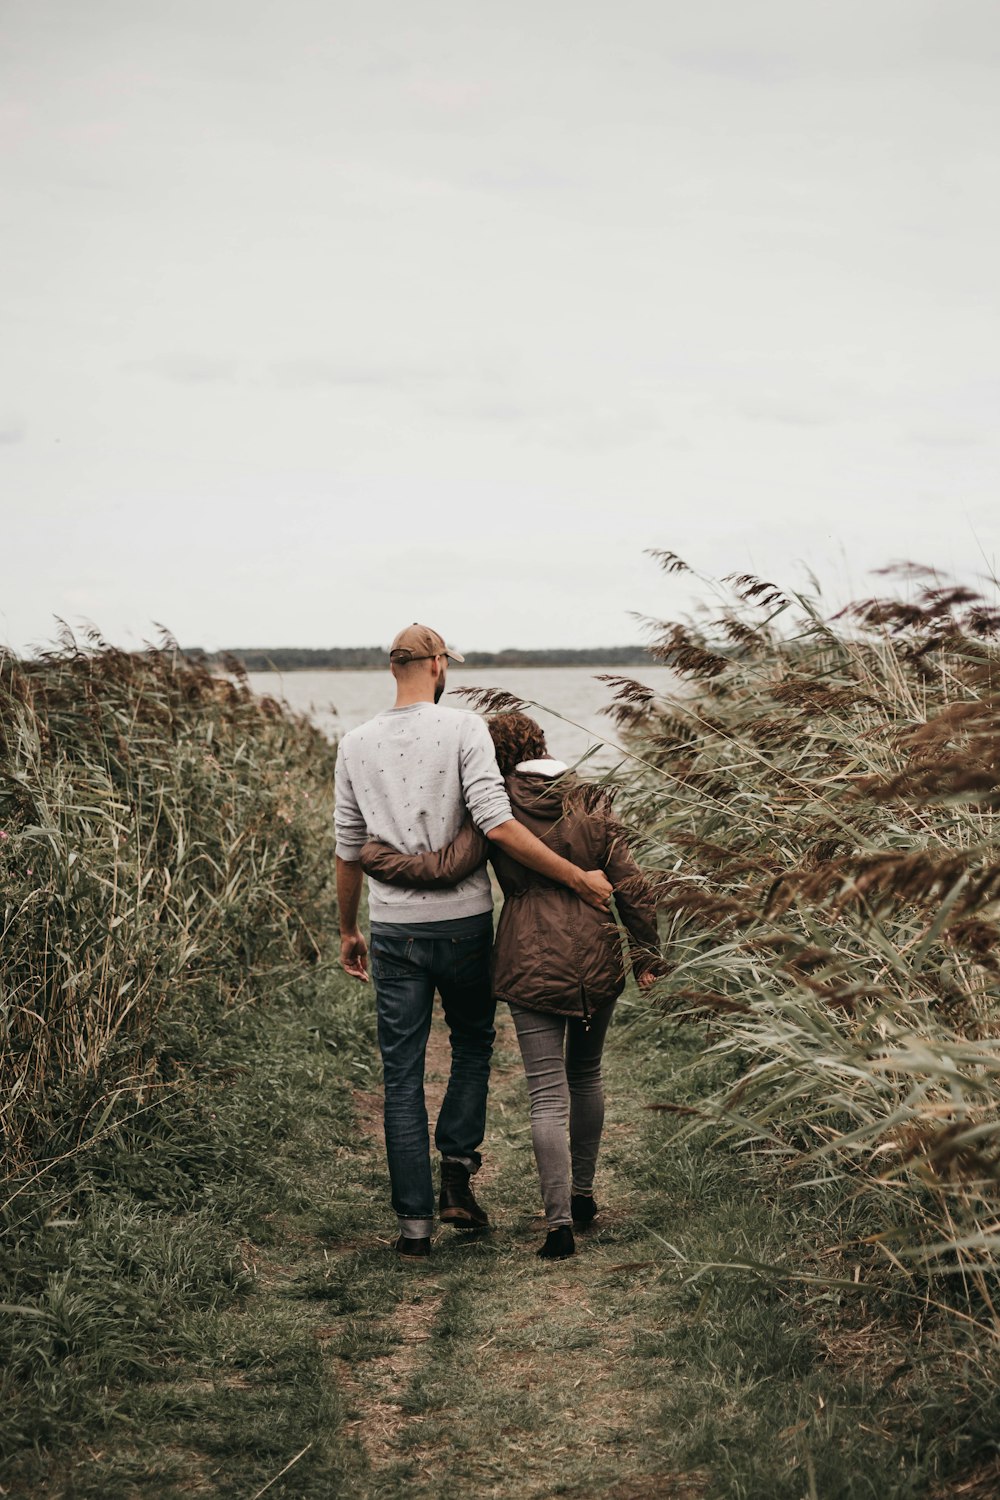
(408, 776)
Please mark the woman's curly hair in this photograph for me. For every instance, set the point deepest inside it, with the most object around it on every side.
(516, 738)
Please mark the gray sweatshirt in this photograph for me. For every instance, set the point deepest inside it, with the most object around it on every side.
(407, 777)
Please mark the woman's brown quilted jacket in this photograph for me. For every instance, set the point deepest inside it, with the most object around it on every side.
(552, 951)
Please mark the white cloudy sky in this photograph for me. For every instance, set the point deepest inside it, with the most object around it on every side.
(318, 317)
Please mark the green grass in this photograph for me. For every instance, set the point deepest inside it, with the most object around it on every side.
(197, 1330)
(136, 1265)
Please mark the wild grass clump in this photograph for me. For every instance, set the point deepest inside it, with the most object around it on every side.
(165, 851)
(819, 800)
(143, 1347)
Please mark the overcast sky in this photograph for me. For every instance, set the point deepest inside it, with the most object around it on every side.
(318, 317)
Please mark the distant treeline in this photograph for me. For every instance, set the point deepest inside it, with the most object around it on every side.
(356, 658)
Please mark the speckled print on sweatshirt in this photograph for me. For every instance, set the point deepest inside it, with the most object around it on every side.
(407, 777)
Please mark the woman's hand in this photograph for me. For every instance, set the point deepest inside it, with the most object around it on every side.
(646, 980)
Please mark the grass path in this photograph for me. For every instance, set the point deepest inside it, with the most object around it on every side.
(503, 1376)
(499, 1371)
(280, 1348)
(619, 1373)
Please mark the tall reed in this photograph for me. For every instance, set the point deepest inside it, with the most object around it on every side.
(165, 848)
(817, 805)
(820, 804)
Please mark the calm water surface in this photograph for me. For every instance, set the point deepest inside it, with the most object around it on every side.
(336, 701)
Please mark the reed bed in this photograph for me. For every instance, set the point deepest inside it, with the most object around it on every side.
(165, 850)
(817, 807)
(820, 810)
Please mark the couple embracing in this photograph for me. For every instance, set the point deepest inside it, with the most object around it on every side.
(424, 795)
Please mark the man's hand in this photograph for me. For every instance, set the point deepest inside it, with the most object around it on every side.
(646, 981)
(514, 839)
(353, 948)
(354, 954)
(594, 887)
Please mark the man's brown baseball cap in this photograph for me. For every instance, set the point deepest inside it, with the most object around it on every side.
(419, 643)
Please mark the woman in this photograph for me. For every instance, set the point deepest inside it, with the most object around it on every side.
(557, 962)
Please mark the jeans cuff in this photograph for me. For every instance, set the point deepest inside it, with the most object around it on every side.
(470, 1163)
(415, 1229)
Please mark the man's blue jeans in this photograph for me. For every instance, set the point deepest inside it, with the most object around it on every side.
(408, 966)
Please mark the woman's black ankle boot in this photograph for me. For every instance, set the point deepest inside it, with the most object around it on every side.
(583, 1209)
(559, 1244)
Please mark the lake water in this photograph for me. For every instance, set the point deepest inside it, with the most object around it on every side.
(336, 701)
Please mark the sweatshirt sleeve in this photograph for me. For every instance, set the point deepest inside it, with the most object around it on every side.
(482, 785)
(348, 822)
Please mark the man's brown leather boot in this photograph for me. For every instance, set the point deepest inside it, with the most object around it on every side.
(457, 1204)
(410, 1249)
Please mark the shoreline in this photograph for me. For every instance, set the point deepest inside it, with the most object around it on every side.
(558, 666)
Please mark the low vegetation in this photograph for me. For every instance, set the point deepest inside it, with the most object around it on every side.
(216, 1305)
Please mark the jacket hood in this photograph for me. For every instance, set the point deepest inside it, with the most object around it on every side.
(547, 766)
(540, 796)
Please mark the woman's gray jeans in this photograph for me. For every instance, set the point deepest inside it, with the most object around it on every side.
(562, 1062)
